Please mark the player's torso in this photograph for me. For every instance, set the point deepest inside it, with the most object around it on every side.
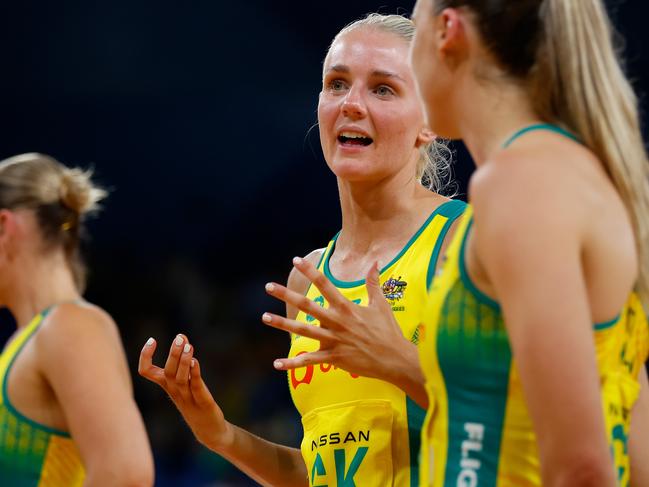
(358, 429)
(478, 430)
(32, 454)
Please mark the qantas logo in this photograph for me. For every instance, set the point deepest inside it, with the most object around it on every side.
(304, 375)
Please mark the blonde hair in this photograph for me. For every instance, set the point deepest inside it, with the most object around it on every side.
(580, 83)
(61, 197)
(434, 169)
(564, 51)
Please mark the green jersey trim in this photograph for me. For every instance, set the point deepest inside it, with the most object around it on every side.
(539, 126)
(464, 275)
(440, 210)
(5, 394)
(416, 416)
(456, 211)
(606, 324)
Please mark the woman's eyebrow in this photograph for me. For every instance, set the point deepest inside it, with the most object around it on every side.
(380, 73)
(377, 73)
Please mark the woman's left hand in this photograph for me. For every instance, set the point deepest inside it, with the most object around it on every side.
(363, 340)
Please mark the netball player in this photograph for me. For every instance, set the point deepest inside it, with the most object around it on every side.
(536, 342)
(537, 280)
(67, 414)
(357, 430)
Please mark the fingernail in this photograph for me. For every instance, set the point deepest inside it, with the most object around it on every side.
(149, 342)
(277, 364)
(270, 287)
(297, 260)
(193, 363)
(187, 348)
(266, 318)
(178, 341)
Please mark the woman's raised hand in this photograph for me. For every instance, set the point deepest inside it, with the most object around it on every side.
(363, 340)
(181, 380)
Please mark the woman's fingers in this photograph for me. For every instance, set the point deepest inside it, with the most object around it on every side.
(171, 366)
(297, 327)
(374, 292)
(183, 373)
(311, 358)
(325, 286)
(145, 365)
(200, 393)
(298, 300)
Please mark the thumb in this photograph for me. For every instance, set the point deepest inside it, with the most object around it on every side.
(374, 291)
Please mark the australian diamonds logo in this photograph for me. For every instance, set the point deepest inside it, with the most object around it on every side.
(393, 290)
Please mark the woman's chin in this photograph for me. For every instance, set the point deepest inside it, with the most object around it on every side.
(355, 171)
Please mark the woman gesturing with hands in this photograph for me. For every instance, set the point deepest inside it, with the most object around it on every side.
(358, 429)
(267, 463)
(181, 380)
(363, 340)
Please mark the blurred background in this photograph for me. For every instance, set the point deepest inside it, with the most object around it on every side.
(199, 116)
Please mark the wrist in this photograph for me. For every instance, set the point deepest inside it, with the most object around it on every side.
(222, 441)
(403, 363)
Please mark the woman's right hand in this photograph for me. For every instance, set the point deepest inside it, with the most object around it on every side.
(181, 380)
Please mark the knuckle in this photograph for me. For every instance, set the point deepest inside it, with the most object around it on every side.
(304, 302)
(319, 279)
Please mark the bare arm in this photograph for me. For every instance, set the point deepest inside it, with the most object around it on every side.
(299, 283)
(266, 462)
(529, 244)
(639, 435)
(81, 357)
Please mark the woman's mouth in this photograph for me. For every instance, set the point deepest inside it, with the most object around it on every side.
(353, 139)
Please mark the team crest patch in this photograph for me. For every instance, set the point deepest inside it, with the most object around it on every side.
(393, 289)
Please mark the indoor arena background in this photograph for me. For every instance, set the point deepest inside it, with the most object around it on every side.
(199, 117)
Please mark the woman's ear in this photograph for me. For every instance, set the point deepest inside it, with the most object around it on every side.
(8, 227)
(452, 38)
(425, 137)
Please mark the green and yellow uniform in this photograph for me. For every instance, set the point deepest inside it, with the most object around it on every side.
(32, 454)
(357, 430)
(478, 431)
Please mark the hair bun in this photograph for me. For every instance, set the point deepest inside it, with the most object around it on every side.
(77, 191)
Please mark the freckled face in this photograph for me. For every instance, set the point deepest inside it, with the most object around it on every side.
(369, 114)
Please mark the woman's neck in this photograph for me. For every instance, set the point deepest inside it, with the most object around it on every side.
(498, 110)
(40, 283)
(376, 213)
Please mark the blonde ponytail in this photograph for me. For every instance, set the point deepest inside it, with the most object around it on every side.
(579, 83)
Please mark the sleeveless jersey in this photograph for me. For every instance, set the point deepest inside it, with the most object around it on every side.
(32, 454)
(478, 430)
(357, 430)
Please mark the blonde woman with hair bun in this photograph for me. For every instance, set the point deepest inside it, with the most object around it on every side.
(67, 413)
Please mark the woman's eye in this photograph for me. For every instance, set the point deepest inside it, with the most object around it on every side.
(383, 90)
(337, 85)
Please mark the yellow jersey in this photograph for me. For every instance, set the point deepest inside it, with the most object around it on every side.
(358, 430)
(478, 430)
(32, 454)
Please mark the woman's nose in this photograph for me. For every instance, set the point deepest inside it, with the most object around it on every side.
(354, 106)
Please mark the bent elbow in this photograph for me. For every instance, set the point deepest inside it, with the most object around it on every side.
(125, 475)
(586, 472)
(140, 480)
(139, 476)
